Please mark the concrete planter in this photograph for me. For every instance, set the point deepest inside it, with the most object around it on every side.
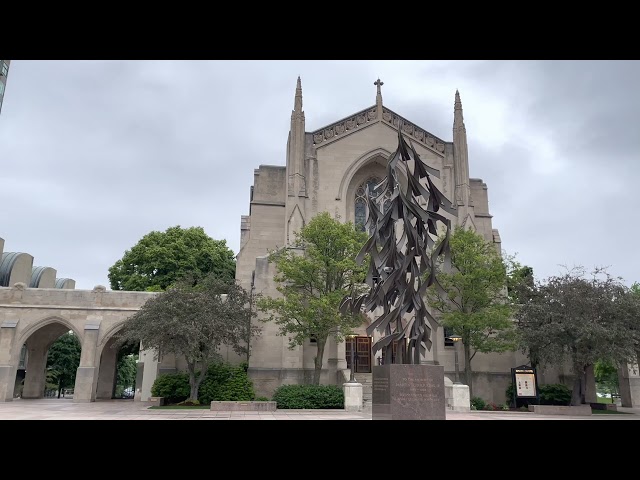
(576, 410)
(229, 406)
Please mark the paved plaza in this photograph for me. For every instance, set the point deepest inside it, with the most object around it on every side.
(66, 409)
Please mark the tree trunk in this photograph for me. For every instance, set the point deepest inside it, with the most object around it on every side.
(59, 386)
(318, 360)
(577, 394)
(468, 374)
(194, 384)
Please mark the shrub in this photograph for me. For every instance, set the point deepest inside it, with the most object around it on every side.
(510, 393)
(190, 403)
(477, 403)
(551, 394)
(221, 382)
(225, 382)
(174, 387)
(262, 399)
(555, 394)
(309, 396)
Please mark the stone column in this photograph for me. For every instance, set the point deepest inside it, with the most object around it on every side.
(139, 378)
(150, 373)
(8, 367)
(107, 373)
(35, 378)
(87, 376)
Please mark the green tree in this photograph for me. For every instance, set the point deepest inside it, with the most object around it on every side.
(520, 279)
(313, 277)
(472, 300)
(126, 370)
(580, 319)
(63, 360)
(606, 376)
(192, 321)
(520, 287)
(159, 259)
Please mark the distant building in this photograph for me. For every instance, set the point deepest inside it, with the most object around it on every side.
(4, 73)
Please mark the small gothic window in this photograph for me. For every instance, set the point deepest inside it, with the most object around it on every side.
(361, 210)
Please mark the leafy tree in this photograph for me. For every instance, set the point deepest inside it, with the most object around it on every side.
(193, 321)
(606, 376)
(520, 279)
(473, 300)
(520, 287)
(313, 282)
(580, 319)
(126, 370)
(63, 360)
(159, 259)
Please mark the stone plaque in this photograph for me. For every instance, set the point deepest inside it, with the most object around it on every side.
(408, 392)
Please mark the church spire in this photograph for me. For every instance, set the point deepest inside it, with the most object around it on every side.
(460, 156)
(297, 104)
(458, 119)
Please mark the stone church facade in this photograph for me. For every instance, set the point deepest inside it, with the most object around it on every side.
(328, 169)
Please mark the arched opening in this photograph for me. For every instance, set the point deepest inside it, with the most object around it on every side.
(48, 362)
(118, 371)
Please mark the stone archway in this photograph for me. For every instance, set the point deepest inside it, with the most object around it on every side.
(39, 316)
(36, 341)
(110, 355)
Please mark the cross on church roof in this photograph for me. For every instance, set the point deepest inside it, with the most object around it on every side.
(379, 84)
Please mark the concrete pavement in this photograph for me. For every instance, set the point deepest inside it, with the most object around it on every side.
(65, 409)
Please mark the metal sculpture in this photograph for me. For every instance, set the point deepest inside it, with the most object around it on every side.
(404, 254)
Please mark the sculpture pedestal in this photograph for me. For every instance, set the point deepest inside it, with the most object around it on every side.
(408, 392)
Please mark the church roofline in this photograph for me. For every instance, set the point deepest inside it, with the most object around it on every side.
(369, 116)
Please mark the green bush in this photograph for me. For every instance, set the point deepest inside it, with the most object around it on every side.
(222, 382)
(174, 387)
(262, 399)
(309, 396)
(555, 394)
(225, 382)
(509, 393)
(551, 394)
(477, 403)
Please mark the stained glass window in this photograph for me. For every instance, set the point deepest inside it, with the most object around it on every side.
(361, 211)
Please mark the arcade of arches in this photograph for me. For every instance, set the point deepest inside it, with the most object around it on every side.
(32, 319)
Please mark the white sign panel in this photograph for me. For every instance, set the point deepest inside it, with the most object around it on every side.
(525, 385)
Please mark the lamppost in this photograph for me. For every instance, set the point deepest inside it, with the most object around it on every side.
(353, 365)
(455, 339)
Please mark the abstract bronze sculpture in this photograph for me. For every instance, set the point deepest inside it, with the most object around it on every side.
(401, 267)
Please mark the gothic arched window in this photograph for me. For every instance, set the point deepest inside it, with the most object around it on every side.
(361, 210)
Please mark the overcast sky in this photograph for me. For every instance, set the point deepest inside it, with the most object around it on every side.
(96, 154)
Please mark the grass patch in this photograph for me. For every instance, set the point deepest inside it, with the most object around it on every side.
(608, 412)
(605, 400)
(180, 407)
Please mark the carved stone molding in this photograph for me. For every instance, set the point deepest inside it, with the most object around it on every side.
(345, 125)
(413, 130)
(369, 115)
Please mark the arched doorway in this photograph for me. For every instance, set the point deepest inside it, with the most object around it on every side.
(48, 362)
(118, 371)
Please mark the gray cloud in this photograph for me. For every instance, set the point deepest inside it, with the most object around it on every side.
(95, 154)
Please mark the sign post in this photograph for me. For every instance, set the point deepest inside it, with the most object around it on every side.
(525, 383)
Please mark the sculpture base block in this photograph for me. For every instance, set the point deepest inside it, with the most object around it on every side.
(408, 392)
